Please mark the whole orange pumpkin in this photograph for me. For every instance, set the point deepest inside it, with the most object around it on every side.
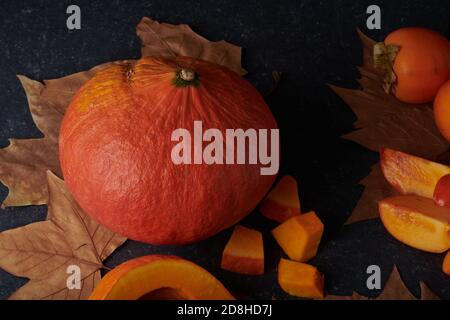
(115, 149)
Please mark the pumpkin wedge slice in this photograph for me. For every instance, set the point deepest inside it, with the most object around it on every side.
(158, 277)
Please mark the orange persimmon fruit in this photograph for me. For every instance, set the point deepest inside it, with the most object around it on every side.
(158, 277)
(115, 149)
(244, 252)
(441, 194)
(300, 236)
(446, 264)
(417, 222)
(409, 174)
(282, 202)
(416, 63)
(441, 110)
(300, 279)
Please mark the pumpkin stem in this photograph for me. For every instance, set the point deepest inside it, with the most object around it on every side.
(186, 77)
(384, 58)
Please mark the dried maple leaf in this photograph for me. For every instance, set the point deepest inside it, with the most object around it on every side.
(384, 121)
(23, 164)
(168, 40)
(394, 289)
(375, 188)
(43, 251)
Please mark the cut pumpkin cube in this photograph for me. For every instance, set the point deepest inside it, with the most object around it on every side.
(409, 174)
(244, 252)
(282, 202)
(300, 236)
(300, 279)
(417, 221)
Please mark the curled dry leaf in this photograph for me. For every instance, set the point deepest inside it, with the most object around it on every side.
(394, 289)
(384, 121)
(43, 251)
(168, 40)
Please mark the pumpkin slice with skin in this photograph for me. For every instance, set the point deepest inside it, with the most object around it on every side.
(282, 203)
(244, 252)
(159, 277)
(300, 279)
(417, 221)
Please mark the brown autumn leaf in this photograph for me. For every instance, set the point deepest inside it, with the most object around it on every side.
(168, 40)
(394, 289)
(23, 164)
(384, 121)
(43, 251)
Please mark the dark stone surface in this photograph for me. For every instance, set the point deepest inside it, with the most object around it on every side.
(311, 42)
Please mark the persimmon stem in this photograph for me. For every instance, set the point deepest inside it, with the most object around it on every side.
(384, 59)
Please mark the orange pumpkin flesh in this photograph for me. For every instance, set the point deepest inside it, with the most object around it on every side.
(115, 149)
(159, 277)
(422, 64)
(300, 236)
(282, 202)
(300, 279)
(244, 252)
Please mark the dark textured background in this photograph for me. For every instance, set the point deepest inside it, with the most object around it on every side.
(312, 42)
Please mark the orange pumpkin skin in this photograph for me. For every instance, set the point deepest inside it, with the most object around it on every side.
(441, 109)
(115, 150)
(144, 276)
(422, 64)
